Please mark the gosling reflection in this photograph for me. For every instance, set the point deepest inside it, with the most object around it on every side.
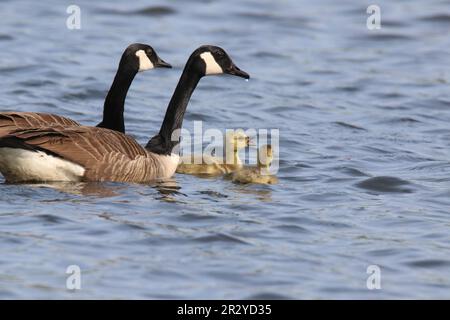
(260, 192)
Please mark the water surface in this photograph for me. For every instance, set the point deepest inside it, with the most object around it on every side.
(364, 164)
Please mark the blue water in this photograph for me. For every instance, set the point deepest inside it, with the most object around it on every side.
(364, 152)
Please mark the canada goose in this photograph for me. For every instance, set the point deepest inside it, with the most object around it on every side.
(213, 166)
(259, 174)
(97, 154)
(137, 57)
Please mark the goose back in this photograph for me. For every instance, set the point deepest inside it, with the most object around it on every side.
(10, 121)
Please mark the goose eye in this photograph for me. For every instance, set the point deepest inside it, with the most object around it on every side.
(149, 52)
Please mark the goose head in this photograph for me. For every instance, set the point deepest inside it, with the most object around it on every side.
(204, 61)
(142, 57)
(213, 60)
(265, 155)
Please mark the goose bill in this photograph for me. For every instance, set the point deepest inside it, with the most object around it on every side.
(235, 71)
(162, 64)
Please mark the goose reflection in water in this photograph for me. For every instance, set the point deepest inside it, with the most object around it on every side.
(168, 189)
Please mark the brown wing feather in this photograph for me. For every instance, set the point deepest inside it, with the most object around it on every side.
(106, 155)
(10, 121)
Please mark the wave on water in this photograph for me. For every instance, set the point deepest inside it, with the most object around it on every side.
(385, 184)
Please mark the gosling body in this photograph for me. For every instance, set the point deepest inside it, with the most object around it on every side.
(259, 174)
(215, 166)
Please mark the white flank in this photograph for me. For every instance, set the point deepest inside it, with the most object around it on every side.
(19, 165)
(144, 61)
(169, 165)
(212, 67)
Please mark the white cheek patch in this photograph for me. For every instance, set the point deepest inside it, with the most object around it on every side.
(144, 61)
(212, 67)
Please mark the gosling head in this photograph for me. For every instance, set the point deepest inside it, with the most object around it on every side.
(237, 139)
(265, 156)
(142, 57)
(213, 60)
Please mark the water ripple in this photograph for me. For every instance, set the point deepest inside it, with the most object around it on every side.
(385, 184)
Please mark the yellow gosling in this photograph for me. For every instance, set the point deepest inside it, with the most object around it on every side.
(260, 173)
(214, 166)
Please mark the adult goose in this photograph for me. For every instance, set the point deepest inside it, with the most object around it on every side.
(136, 57)
(96, 154)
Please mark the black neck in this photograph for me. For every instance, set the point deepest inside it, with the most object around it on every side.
(162, 143)
(115, 100)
